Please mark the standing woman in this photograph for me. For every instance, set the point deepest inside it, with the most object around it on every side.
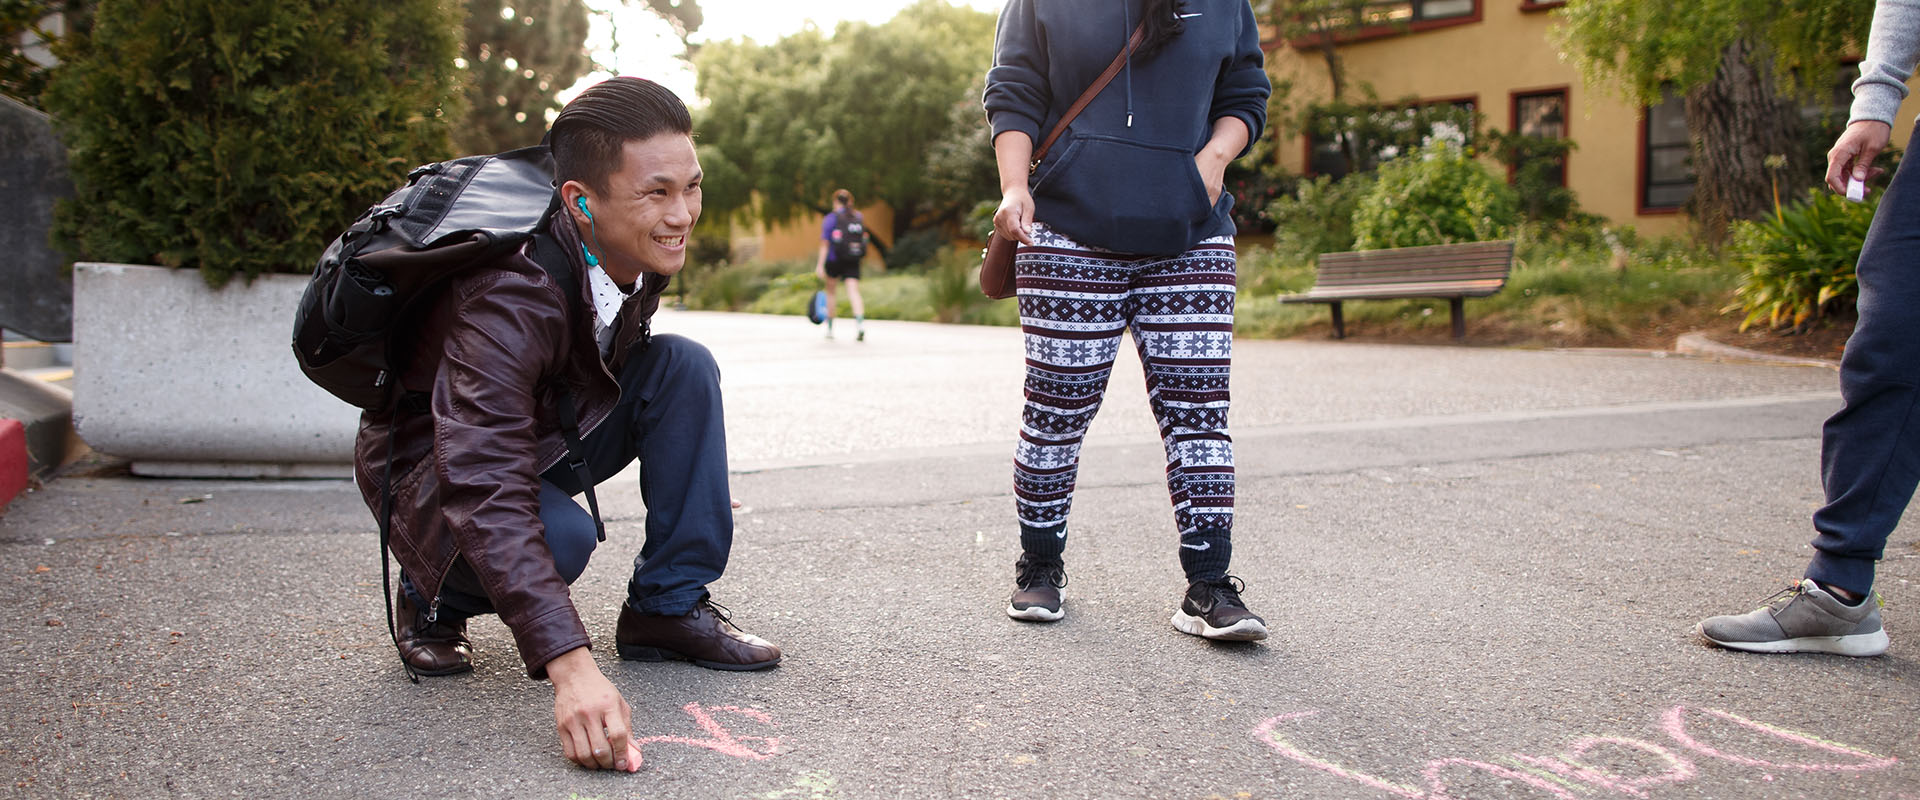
(1125, 227)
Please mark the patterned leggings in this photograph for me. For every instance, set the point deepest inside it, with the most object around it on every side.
(1075, 303)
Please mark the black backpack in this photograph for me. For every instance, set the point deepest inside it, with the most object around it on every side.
(849, 237)
(450, 217)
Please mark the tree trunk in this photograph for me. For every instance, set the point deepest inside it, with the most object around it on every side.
(1736, 121)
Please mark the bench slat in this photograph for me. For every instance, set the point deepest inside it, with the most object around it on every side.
(1410, 277)
(1448, 271)
(1336, 268)
(1320, 294)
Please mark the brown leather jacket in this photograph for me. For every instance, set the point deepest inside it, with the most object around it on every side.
(488, 355)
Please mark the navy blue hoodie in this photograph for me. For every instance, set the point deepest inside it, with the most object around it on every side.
(1129, 188)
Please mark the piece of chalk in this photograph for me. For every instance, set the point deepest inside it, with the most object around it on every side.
(1856, 190)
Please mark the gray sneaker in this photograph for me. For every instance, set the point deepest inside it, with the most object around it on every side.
(1802, 618)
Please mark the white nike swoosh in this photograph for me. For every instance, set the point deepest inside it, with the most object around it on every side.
(1200, 546)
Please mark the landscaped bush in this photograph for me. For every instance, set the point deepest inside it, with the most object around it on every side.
(915, 249)
(1799, 265)
(732, 287)
(1254, 191)
(1317, 217)
(239, 136)
(1437, 195)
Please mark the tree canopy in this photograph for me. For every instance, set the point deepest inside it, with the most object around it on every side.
(1743, 68)
(518, 56)
(791, 121)
(1637, 46)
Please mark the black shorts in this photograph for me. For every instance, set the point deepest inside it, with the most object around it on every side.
(843, 269)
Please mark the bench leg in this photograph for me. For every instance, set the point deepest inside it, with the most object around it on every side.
(1339, 322)
(1459, 316)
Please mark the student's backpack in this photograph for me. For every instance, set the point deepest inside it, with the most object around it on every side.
(450, 216)
(849, 237)
(387, 265)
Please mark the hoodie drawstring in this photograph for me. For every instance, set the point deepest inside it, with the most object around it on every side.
(1126, 29)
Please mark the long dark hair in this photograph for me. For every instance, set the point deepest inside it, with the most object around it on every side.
(1163, 23)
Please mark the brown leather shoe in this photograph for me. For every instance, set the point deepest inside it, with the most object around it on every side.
(430, 648)
(705, 637)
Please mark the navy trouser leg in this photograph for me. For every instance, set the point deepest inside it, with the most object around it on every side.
(670, 418)
(1870, 450)
(570, 536)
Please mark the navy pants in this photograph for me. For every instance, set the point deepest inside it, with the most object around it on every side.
(669, 417)
(1870, 450)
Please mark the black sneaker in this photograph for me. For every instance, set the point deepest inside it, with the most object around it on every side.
(1038, 596)
(1213, 609)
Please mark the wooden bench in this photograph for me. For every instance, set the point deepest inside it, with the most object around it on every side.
(1451, 271)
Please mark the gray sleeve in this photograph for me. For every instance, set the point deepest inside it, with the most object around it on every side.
(1893, 47)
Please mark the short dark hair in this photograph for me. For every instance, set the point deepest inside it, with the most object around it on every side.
(843, 197)
(591, 130)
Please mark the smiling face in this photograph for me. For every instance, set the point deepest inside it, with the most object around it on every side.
(641, 222)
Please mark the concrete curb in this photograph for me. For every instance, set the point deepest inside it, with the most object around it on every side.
(45, 414)
(1696, 343)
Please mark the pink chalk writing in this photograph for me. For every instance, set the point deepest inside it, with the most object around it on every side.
(719, 739)
(1569, 773)
(1674, 722)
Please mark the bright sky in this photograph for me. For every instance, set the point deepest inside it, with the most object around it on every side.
(636, 42)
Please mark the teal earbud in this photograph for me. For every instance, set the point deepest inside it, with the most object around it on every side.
(582, 203)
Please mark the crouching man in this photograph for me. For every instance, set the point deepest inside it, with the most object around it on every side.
(483, 519)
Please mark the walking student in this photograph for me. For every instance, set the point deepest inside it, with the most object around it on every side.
(1125, 228)
(1870, 449)
(843, 243)
(483, 516)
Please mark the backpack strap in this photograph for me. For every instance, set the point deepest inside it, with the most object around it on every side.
(386, 535)
(548, 254)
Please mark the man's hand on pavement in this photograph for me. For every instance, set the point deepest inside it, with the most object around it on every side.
(594, 721)
(1853, 153)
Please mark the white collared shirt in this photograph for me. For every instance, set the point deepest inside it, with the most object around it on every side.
(607, 299)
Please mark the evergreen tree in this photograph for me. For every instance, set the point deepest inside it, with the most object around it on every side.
(518, 55)
(239, 136)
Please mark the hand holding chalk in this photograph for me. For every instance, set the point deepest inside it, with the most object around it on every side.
(1856, 190)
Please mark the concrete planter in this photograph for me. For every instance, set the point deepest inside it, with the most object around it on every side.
(186, 381)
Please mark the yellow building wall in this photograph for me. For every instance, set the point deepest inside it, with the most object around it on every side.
(1508, 51)
(799, 239)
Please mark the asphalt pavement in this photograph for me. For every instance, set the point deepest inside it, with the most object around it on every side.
(1481, 567)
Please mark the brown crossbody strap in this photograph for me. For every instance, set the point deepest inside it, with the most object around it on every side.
(1119, 61)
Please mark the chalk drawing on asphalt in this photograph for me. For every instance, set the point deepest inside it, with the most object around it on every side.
(719, 739)
(1571, 773)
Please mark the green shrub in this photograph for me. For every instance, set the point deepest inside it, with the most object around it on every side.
(953, 284)
(239, 136)
(1317, 217)
(915, 248)
(1437, 195)
(733, 287)
(1538, 167)
(1799, 265)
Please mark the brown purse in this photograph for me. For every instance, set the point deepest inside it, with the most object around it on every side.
(996, 264)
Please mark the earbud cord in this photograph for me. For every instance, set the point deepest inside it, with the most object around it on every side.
(594, 230)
